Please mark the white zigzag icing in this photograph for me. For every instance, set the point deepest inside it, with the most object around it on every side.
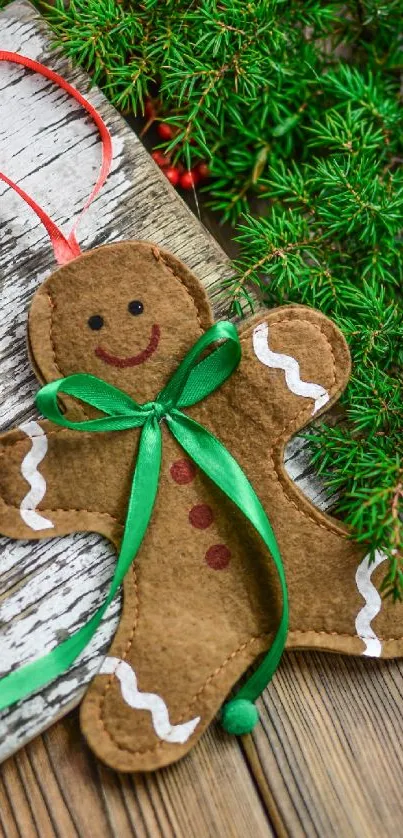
(147, 701)
(373, 604)
(29, 470)
(290, 366)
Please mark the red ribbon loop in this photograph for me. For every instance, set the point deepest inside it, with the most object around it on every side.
(65, 248)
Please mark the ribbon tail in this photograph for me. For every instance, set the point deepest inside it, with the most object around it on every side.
(31, 677)
(221, 467)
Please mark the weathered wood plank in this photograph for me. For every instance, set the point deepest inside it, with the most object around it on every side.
(55, 787)
(330, 746)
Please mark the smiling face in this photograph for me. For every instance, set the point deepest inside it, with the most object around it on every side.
(97, 322)
(127, 313)
(136, 307)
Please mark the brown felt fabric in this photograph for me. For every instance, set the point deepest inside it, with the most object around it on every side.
(103, 282)
(189, 629)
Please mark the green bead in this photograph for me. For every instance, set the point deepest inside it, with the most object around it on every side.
(239, 716)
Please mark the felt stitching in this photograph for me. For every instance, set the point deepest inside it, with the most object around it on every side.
(284, 321)
(385, 640)
(52, 343)
(327, 634)
(326, 525)
(171, 270)
(216, 672)
(152, 702)
(23, 441)
(70, 509)
(101, 717)
(20, 442)
(220, 669)
(305, 514)
(193, 700)
(159, 258)
(290, 367)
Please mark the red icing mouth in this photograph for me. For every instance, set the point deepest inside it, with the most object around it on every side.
(134, 360)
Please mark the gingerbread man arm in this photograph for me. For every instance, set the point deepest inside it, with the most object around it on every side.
(44, 472)
(296, 363)
(299, 360)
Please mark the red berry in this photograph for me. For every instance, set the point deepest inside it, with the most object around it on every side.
(165, 131)
(203, 170)
(189, 179)
(172, 174)
(149, 109)
(160, 159)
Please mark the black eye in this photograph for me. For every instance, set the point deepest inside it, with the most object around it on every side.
(136, 307)
(96, 322)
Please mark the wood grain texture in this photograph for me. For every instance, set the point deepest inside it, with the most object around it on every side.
(55, 787)
(330, 746)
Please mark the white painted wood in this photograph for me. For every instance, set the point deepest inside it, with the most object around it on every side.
(48, 145)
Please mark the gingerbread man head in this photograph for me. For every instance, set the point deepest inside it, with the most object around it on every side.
(119, 313)
(202, 600)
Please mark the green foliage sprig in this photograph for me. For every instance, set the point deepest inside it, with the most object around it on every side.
(297, 104)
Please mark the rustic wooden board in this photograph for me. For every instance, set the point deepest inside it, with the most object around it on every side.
(55, 788)
(328, 756)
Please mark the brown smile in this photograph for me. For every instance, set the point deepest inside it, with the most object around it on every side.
(133, 360)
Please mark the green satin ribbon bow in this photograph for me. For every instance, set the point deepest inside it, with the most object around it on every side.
(193, 380)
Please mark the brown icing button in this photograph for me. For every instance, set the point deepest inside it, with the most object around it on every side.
(201, 516)
(183, 471)
(218, 556)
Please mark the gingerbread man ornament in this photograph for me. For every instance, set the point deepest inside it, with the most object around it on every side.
(202, 599)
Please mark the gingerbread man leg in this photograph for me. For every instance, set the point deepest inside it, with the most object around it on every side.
(199, 605)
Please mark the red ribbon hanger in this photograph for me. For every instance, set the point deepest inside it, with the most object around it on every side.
(65, 248)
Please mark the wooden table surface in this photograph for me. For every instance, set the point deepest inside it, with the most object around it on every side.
(326, 759)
